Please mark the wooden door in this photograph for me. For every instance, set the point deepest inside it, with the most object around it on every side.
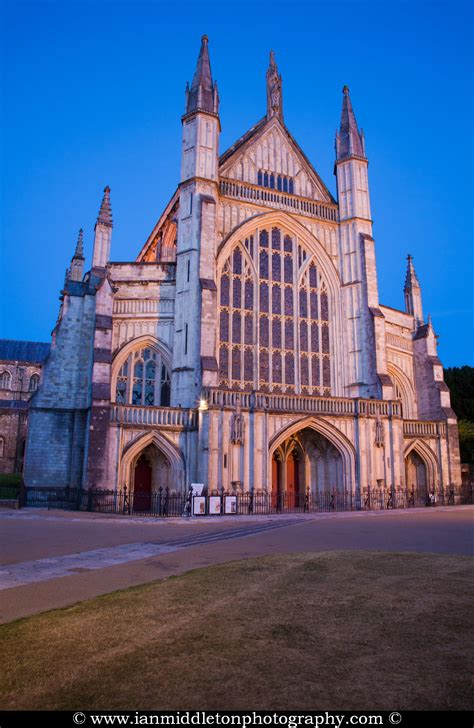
(292, 484)
(275, 481)
(142, 486)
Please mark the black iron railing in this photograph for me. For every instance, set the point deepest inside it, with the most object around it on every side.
(164, 503)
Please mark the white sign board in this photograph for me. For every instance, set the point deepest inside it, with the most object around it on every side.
(199, 505)
(231, 504)
(214, 505)
(197, 488)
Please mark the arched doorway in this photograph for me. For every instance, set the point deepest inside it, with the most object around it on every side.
(307, 465)
(277, 484)
(416, 478)
(151, 472)
(142, 484)
(292, 480)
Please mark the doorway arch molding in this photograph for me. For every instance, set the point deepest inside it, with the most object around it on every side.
(342, 444)
(166, 447)
(429, 458)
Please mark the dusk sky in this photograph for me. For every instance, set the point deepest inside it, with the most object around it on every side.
(93, 92)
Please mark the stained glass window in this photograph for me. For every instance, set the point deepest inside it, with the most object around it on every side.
(225, 290)
(276, 267)
(237, 287)
(236, 327)
(276, 367)
(249, 295)
(143, 380)
(236, 363)
(304, 371)
(223, 363)
(224, 326)
(5, 380)
(276, 299)
(248, 336)
(276, 319)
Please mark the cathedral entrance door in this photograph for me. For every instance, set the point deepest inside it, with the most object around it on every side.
(292, 482)
(276, 485)
(416, 478)
(142, 485)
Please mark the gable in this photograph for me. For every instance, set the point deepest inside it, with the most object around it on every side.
(268, 148)
(161, 243)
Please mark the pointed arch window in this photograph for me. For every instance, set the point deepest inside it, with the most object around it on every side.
(5, 380)
(34, 381)
(273, 181)
(144, 380)
(274, 318)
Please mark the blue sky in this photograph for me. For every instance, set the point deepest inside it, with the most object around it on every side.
(92, 94)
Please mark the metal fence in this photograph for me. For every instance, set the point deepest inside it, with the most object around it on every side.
(164, 503)
(9, 492)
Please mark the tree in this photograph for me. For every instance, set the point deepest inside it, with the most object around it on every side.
(460, 381)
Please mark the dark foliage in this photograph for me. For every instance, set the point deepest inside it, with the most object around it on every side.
(460, 381)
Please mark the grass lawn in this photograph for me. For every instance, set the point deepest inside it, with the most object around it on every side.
(337, 630)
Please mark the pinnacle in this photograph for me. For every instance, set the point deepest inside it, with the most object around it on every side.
(201, 93)
(79, 252)
(349, 142)
(105, 212)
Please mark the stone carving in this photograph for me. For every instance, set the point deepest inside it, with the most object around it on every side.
(379, 432)
(274, 101)
(237, 426)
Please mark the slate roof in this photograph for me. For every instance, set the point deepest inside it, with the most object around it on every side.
(31, 351)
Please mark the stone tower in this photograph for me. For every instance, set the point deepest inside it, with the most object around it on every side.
(366, 373)
(194, 329)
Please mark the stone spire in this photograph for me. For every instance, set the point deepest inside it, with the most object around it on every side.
(105, 213)
(274, 92)
(103, 233)
(203, 94)
(349, 141)
(77, 260)
(79, 252)
(412, 291)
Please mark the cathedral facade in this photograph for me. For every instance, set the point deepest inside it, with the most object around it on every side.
(245, 348)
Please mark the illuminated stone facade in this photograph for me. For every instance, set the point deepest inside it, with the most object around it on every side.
(245, 347)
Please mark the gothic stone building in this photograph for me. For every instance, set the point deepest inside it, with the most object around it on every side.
(245, 347)
(20, 371)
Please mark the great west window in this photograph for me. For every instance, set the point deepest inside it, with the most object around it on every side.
(274, 317)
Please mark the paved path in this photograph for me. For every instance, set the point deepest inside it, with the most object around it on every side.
(30, 572)
(54, 559)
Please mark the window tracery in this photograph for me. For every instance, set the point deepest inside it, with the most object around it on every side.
(275, 182)
(5, 380)
(144, 380)
(274, 317)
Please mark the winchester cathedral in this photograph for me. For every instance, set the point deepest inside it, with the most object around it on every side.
(244, 347)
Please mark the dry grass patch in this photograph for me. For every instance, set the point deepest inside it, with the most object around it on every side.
(337, 630)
